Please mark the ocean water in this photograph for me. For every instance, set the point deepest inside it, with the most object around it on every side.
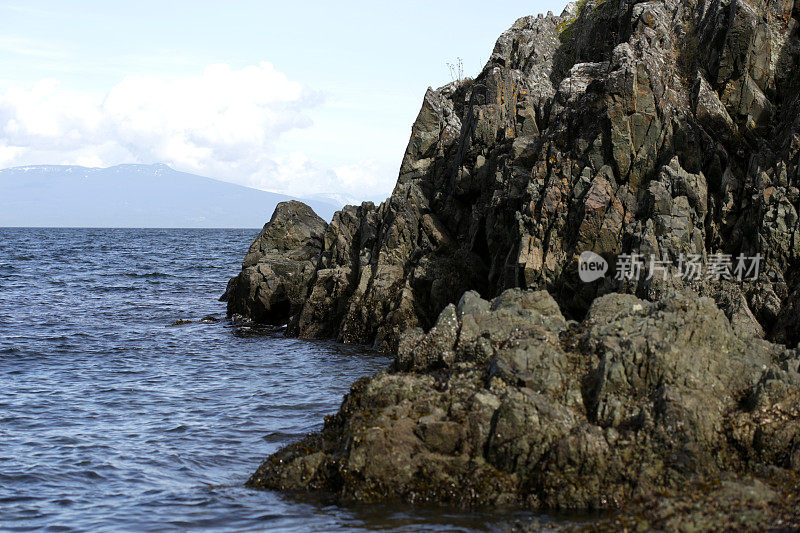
(114, 419)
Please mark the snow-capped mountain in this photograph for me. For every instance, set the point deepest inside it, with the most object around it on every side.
(133, 196)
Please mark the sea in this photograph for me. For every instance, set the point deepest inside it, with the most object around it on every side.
(129, 402)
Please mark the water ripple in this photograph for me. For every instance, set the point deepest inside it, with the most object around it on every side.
(110, 421)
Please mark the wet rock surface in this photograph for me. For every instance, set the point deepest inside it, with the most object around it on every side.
(505, 402)
(276, 270)
(726, 503)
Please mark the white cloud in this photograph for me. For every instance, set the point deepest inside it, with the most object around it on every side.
(224, 123)
(297, 175)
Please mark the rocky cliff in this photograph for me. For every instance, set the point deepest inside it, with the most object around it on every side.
(665, 128)
(666, 131)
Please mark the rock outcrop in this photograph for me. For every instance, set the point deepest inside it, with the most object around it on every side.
(667, 128)
(278, 267)
(507, 403)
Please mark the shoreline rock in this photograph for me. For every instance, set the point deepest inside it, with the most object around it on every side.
(668, 128)
(506, 403)
(276, 270)
(769, 501)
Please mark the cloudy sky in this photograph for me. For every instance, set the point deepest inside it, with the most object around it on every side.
(293, 97)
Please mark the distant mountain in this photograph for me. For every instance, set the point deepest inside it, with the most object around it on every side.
(133, 196)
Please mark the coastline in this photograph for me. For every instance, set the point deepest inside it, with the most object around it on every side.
(620, 130)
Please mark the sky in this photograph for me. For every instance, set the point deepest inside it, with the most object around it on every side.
(300, 98)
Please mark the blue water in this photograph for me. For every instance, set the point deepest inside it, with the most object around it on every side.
(113, 419)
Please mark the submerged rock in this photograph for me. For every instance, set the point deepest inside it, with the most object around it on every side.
(272, 284)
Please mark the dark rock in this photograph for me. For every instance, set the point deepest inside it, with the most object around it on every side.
(665, 128)
(276, 271)
(506, 403)
(728, 502)
(209, 319)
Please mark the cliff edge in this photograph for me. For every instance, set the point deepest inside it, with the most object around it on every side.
(665, 129)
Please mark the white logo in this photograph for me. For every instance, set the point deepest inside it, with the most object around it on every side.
(691, 267)
(591, 267)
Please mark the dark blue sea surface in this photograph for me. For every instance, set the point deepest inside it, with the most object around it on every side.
(111, 419)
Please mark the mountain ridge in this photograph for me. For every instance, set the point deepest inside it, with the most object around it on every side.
(132, 195)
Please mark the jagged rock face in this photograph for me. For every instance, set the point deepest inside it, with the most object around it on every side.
(278, 267)
(507, 403)
(660, 128)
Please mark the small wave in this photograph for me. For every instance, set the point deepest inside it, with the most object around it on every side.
(150, 275)
(116, 288)
(71, 441)
(18, 499)
(8, 479)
